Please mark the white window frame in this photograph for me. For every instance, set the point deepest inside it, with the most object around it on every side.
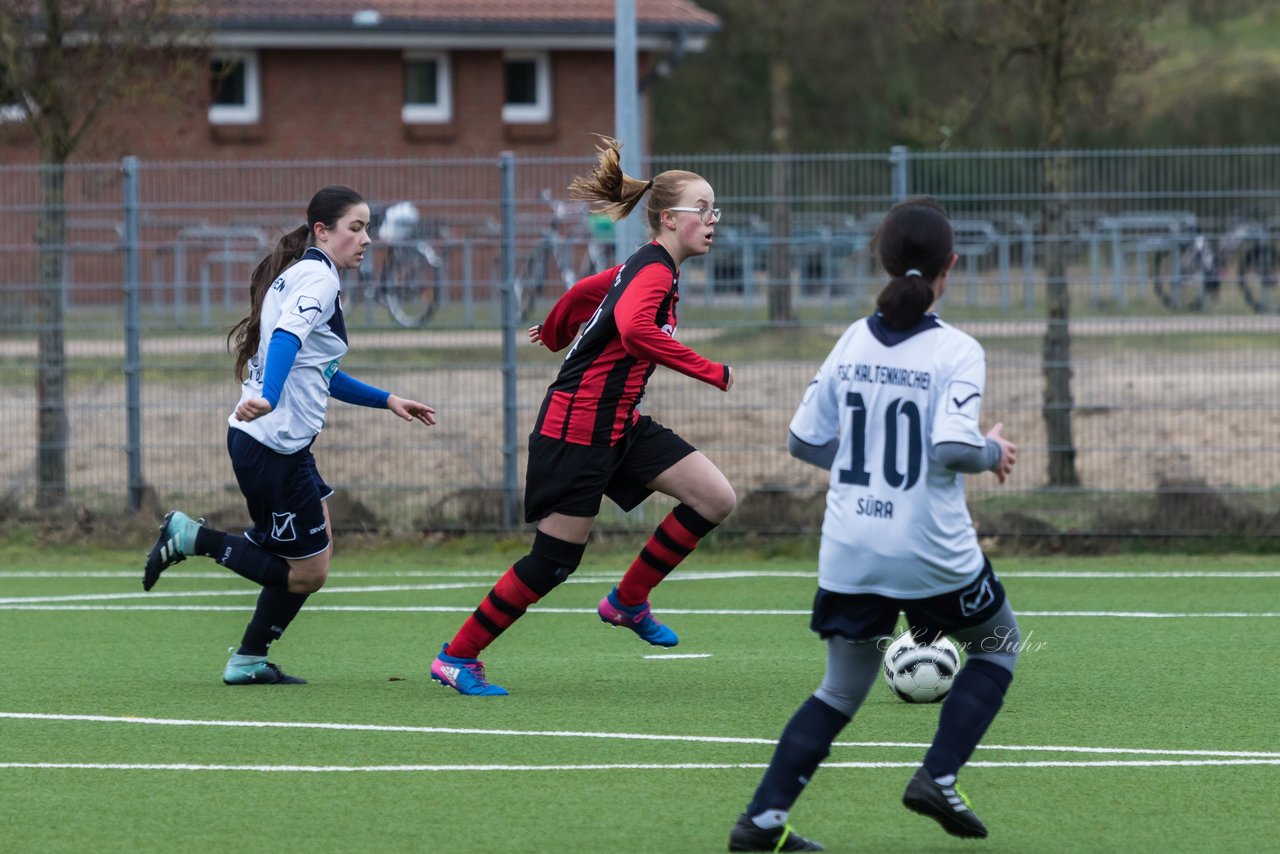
(540, 110)
(250, 112)
(441, 111)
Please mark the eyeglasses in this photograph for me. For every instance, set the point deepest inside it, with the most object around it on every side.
(707, 215)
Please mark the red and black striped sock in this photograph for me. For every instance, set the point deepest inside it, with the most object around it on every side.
(506, 603)
(674, 539)
(535, 575)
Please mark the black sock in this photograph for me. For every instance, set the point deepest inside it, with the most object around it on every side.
(276, 609)
(244, 557)
(805, 742)
(970, 707)
(209, 542)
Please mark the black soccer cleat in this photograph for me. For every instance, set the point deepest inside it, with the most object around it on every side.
(176, 541)
(946, 805)
(745, 836)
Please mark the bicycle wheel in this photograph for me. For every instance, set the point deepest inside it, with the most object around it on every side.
(529, 281)
(412, 285)
(1183, 287)
(1256, 275)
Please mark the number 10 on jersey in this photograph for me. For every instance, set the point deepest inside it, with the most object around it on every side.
(900, 413)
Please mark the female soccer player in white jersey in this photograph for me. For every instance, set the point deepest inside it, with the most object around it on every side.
(291, 342)
(893, 415)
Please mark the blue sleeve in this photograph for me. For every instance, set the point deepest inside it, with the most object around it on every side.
(281, 351)
(350, 390)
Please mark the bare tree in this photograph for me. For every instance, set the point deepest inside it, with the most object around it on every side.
(67, 63)
(1072, 52)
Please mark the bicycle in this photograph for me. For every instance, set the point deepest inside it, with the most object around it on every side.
(1201, 266)
(571, 225)
(1252, 250)
(1193, 273)
(408, 280)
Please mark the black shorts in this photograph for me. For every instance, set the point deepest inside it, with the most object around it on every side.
(562, 477)
(285, 495)
(866, 616)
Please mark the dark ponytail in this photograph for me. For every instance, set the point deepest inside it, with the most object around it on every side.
(246, 332)
(914, 244)
(327, 207)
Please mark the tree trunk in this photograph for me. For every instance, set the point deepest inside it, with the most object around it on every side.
(1056, 355)
(52, 428)
(779, 267)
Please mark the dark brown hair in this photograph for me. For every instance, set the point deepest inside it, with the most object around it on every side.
(915, 237)
(617, 194)
(327, 207)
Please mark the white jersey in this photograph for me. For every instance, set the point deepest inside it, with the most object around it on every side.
(302, 301)
(896, 522)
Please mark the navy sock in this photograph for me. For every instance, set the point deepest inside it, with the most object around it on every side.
(970, 707)
(245, 557)
(275, 611)
(209, 542)
(805, 742)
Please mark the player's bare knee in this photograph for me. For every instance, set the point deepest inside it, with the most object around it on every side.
(719, 504)
(307, 580)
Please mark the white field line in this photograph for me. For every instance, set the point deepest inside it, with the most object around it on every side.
(703, 612)
(619, 736)
(62, 603)
(699, 575)
(649, 766)
(330, 590)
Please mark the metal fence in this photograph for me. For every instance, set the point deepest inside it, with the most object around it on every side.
(1171, 261)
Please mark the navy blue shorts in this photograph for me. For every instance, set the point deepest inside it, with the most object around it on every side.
(285, 495)
(867, 616)
(562, 477)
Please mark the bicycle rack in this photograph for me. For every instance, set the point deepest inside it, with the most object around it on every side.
(233, 240)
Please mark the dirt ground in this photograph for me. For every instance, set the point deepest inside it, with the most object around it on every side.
(1144, 418)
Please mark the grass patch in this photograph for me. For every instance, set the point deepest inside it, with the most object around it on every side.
(399, 750)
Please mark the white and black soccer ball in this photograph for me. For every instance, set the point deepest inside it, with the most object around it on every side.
(920, 673)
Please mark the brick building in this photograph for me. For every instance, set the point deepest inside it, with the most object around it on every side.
(308, 79)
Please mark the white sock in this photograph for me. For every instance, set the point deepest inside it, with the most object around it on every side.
(769, 819)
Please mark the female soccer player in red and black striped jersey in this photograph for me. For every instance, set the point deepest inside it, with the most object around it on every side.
(591, 441)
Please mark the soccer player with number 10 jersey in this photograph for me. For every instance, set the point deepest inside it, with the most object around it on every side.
(893, 416)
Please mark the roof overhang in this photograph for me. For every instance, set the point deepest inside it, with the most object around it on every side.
(593, 39)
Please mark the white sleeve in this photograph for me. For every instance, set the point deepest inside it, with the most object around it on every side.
(308, 301)
(956, 416)
(817, 420)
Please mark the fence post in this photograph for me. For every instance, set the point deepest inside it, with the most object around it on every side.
(132, 335)
(898, 184)
(510, 427)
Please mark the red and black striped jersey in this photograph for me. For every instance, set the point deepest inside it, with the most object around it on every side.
(630, 317)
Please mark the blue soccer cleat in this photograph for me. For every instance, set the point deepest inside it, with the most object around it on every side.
(637, 618)
(464, 675)
(256, 671)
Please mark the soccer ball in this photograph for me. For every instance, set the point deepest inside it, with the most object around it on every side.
(920, 673)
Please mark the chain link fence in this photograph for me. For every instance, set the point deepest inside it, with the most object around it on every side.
(115, 302)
